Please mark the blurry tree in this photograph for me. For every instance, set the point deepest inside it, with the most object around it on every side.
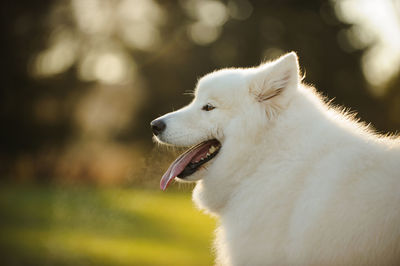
(81, 80)
(23, 33)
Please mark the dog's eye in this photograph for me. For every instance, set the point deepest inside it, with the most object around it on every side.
(207, 107)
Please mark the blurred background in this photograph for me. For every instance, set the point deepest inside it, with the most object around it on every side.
(82, 79)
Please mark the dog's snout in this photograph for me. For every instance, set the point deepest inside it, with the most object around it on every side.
(157, 126)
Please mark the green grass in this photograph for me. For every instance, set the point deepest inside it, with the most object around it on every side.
(92, 226)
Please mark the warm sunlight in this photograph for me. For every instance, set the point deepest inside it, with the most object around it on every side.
(89, 87)
(377, 25)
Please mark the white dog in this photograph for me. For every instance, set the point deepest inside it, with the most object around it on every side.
(292, 180)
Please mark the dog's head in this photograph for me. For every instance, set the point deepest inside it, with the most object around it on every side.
(228, 104)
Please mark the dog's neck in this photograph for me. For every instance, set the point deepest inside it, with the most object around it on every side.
(286, 139)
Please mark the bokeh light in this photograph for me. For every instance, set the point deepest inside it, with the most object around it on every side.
(82, 79)
(377, 27)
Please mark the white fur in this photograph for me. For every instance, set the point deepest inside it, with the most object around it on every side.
(297, 182)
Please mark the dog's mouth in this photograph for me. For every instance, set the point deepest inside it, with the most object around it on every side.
(190, 161)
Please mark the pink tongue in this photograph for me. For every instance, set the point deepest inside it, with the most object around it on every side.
(182, 161)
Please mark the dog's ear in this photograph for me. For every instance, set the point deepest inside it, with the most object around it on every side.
(276, 78)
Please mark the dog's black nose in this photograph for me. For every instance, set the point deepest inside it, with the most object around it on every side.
(157, 126)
